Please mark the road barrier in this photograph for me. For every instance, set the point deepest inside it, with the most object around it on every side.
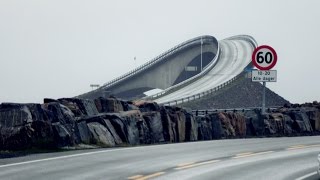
(204, 112)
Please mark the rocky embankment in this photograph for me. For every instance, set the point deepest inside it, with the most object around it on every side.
(240, 94)
(108, 122)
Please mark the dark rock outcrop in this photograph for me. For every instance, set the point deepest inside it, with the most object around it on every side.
(108, 105)
(112, 122)
(154, 124)
(80, 107)
(33, 125)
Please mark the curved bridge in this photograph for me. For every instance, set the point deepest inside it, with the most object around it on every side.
(223, 62)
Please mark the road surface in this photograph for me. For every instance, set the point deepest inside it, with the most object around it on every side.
(235, 55)
(258, 158)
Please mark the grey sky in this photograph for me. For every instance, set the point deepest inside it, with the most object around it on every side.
(58, 48)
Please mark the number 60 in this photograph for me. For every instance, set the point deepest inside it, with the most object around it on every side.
(267, 57)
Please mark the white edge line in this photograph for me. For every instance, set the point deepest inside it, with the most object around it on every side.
(67, 156)
(307, 175)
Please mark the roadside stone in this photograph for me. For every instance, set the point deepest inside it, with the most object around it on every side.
(80, 107)
(154, 124)
(191, 127)
(168, 133)
(100, 135)
(108, 105)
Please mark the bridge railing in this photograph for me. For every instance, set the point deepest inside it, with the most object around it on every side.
(204, 112)
(200, 95)
(219, 87)
(160, 58)
(182, 84)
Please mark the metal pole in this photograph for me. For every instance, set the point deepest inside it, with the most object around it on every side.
(201, 53)
(264, 98)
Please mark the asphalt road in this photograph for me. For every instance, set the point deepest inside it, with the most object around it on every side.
(261, 158)
(235, 56)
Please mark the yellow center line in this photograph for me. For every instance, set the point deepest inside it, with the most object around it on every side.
(135, 177)
(244, 154)
(252, 154)
(150, 176)
(296, 147)
(185, 164)
(302, 146)
(196, 164)
(314, 145)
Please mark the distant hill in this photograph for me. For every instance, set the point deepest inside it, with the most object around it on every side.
(240, 94)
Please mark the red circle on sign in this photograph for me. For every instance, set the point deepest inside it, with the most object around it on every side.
(261, 49)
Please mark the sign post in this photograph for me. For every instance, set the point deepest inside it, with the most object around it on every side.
(264, 58)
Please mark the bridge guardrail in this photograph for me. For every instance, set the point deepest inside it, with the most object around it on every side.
(204, 112)
(200, 95)
(159, 58)
(219, 87)
(188, 81)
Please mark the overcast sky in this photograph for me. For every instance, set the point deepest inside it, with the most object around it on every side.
(58, 48)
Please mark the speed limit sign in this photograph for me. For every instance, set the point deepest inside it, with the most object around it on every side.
(264, 57)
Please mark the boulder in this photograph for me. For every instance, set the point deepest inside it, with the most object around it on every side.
(100, 135)
(128, 106)
(64, 124)
(44, 136)
(254, 122)
(130, 119)
(113, 132)
(191, 127)
(16, 138)
(154, 124)
(277, 123)
(288, 124)
(14, 115)
(205, 128)
(83, 132)
(314, 117)
(62, 136)
(16, 131)
(178, 123)
(301, 121)
(238, 122)
(221, 126)
(101, 119)
(147, 106)
(108, 105)
(145, 134)
(80, 107)
(229, 130)
(49, 125)
(119, 126)
(168, 133)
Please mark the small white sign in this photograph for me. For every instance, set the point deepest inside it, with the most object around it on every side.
(190, 68)
(264, 76)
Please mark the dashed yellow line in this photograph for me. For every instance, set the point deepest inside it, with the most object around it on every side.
(150, 176)
(302, 146)
(296, 147)
(251, 154)
(135, 177)
(314, 145)
(185, 164)
(196, 164)
(193, 164)
(244, 154)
